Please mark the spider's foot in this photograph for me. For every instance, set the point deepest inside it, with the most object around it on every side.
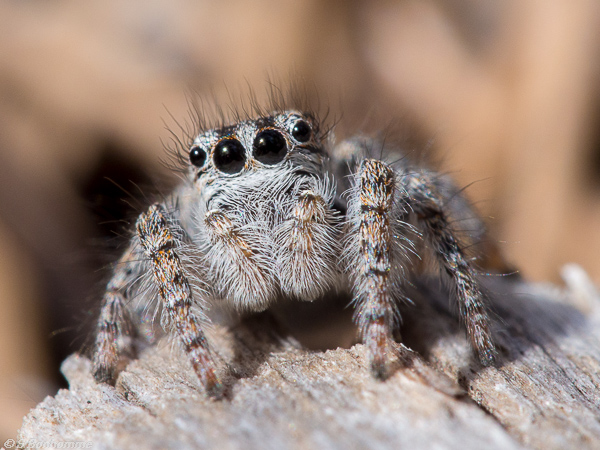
(104, 373)
(488, 356)
(378, 355)
(379, 368)
(210, 380)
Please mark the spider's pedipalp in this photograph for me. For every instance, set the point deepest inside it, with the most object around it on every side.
(307, 244)
(240, 271)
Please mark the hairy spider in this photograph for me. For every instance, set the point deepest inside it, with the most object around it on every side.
(270, 208)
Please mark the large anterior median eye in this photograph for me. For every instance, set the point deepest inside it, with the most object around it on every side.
(270, 147)
(229, 156)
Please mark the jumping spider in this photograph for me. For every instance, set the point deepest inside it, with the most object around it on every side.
(263, 215)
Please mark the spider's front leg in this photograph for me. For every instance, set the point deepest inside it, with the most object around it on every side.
(375, 257)
(378, 244)
(159, 243)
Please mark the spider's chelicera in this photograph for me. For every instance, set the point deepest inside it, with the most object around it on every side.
(255, 222)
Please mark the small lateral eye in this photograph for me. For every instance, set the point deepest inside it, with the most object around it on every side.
(229, 156)
(270, 147)
(301, 131)
(197, 156)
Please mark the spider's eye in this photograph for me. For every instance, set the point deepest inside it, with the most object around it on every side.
(229, 156)
(301, 131)
(197, 156)
(270, 147)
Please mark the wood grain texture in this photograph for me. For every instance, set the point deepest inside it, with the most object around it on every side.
(543, 395)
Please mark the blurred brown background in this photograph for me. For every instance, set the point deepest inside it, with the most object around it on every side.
(508, 93)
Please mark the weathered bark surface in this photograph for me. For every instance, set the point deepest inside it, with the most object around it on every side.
(544, 394)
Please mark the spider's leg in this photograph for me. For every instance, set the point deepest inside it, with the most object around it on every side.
(374, 258)
(114, 323)
(159, 243)
(429, 205)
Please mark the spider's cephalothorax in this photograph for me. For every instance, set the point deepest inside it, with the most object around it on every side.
(261, 217)
(261, 211)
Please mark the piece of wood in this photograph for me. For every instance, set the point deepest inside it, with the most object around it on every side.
(544, 393)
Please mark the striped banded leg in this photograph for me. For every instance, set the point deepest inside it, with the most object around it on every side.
(375, 263)
(114, 323)
(428, 204)
(159, 245)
